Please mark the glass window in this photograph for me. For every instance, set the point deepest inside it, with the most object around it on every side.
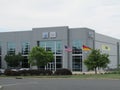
(54, 46)
(77, 47)
(58, 62)
(25, 63)
(0, 62)
(42, 44)
(58, 47)
(11, 48)
(50, 46)
(25, 48)
(77, 63)
(0, 48)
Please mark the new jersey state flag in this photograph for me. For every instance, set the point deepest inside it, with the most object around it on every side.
(106, 47)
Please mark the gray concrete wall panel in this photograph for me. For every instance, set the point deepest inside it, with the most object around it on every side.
(107, 45)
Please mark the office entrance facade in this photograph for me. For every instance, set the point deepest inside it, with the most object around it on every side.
(57, 48)
(55, 39)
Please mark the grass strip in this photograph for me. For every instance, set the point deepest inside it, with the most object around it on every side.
(87, 76)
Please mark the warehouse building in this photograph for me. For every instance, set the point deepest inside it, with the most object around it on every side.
(65, 43)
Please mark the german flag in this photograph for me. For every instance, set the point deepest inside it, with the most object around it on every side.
(86, 48)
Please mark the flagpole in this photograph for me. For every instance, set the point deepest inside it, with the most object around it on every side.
(85, 50)
(55, 56)
(68, 49)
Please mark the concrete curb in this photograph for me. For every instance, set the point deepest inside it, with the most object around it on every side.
(1, 87)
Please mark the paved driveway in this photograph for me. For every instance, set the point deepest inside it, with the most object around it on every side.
(58, 84)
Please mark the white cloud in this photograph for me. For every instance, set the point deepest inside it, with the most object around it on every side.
(101, 15)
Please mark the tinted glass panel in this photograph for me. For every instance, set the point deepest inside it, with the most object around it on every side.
(58, 47)
(54, 46)
(77, 47)
(0, 62)
(0, 48)
(50, 46)
(11, 48)
(25, 62)
(25, 48)
(58, 62)
(77, 63)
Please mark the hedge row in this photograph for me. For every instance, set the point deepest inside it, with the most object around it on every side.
(9, 72)
(27, 72)
(113, 72)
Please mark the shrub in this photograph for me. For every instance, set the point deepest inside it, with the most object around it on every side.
(33, 72)
(113, 72)
(9, 72)
(48, 72)
(62, 72)
(24, 72)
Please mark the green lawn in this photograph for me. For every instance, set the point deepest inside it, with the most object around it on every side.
(99, 76)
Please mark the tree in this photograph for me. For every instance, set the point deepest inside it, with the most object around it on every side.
(39, 57)
(13, 60)
(96, 59)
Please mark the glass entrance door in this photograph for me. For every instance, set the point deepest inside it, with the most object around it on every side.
(51, 66)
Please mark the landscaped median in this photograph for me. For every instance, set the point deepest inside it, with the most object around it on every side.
(61, 73)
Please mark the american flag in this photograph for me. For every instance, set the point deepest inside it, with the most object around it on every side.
(68, 49)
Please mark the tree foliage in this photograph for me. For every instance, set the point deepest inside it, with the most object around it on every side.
(13, 60)
(96, 59)
(38, 56)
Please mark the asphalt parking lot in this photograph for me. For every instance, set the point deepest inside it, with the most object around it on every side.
(58, 84)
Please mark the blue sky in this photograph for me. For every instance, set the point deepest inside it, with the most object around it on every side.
(101, 15)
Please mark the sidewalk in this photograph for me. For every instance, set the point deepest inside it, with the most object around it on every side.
(1, 88)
